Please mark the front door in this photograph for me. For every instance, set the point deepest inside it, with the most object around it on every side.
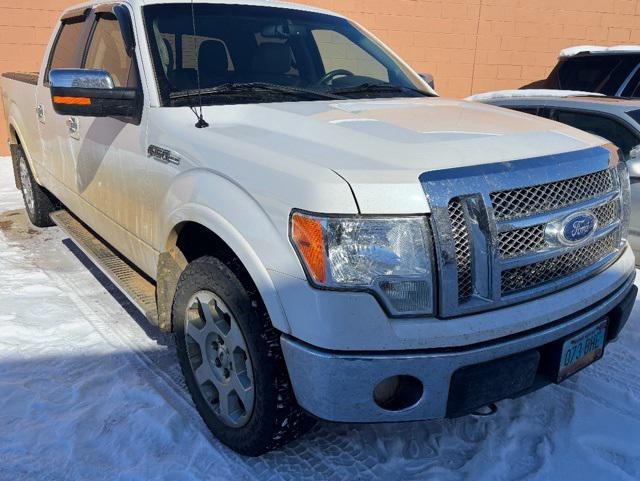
(107, 156)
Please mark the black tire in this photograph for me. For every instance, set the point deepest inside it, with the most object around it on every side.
(38, 202)
(276, 419)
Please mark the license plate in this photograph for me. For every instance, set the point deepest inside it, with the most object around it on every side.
(582, 350)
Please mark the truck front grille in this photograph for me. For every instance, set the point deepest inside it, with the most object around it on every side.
(497, 247)
(517, 203)
(532, 275)
(517, 242)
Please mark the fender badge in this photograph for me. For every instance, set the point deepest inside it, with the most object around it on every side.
(163, 155)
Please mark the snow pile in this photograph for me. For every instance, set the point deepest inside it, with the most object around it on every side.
(90, 393)
(529, 93)
(573, 51)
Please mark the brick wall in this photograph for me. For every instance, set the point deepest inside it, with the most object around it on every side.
(469, 45)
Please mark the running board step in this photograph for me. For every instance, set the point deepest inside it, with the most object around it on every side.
(138, 288)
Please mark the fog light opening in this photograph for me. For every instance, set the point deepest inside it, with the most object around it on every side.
(398, 393)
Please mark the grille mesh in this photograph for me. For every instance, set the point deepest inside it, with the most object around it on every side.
(533, 275)
(521, 241)
(463, 249)
(608, 213)
(513, 204)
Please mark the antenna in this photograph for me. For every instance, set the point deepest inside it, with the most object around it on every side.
(201, 123)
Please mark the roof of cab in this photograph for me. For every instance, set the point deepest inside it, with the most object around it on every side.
(255, 3)
(596, 49)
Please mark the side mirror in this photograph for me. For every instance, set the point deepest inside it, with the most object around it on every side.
(427, 77)
(91, 93)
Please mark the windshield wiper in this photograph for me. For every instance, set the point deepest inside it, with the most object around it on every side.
(255, 87)
(370, 87)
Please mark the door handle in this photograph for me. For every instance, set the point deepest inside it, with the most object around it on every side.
(40, 112)
(74, 127)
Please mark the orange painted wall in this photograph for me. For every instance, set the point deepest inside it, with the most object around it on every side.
(469, 45)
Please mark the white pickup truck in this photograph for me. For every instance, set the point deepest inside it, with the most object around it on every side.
(323, 234)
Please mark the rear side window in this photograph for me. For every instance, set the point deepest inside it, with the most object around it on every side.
(107, 51)
(605, 127)
(635, 115)
(67, 52)
(633, 89)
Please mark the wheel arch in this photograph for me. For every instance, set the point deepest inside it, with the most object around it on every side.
(15, 122)
(189, 239)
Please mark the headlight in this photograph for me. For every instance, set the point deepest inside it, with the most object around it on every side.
(390, 257)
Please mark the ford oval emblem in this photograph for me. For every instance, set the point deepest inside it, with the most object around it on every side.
(578, 227)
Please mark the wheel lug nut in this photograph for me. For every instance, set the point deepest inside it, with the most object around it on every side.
(226, 373)
(218, 362)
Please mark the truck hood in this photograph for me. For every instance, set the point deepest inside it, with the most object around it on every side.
(381, 147)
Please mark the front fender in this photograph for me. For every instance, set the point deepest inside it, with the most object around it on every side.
(260, 242)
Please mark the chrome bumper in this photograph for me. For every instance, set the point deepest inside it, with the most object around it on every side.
(338, 386)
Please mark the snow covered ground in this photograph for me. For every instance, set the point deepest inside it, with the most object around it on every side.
(88, 392)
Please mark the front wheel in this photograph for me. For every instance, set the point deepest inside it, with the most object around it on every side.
(232, 362)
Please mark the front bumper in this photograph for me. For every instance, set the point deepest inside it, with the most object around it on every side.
(338, 386)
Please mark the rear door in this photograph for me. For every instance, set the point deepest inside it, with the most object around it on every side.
(66, 52)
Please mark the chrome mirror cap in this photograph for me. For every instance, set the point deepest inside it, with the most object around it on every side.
(81, 78)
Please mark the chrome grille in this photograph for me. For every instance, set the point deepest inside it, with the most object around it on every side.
(497, 227)
(518, 203)
(463, 249)
(517, 242)
(530, 276)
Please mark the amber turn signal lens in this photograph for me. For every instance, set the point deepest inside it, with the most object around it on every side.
(72, 100)
(308, 236)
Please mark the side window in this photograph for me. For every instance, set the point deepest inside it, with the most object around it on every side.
(108, 52)
(605, 127)
(66, 52)
(526, 110)
(598, 73)
(338, 52)
(544, 112)
(632, 90)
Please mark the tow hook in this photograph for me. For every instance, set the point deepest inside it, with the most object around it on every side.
(486, 411)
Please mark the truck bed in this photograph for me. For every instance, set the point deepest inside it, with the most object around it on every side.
(19, 102)
(26, 77)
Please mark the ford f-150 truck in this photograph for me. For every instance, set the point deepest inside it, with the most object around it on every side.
(324, 235)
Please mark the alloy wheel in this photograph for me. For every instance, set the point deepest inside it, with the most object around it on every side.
(219, 359)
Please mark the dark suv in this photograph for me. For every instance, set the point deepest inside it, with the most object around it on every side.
(613, 72)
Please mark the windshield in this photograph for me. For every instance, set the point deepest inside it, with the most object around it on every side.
(305, 55)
